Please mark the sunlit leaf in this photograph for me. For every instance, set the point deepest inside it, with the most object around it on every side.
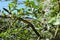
(52, 20)
(57, 22)
(26, 31)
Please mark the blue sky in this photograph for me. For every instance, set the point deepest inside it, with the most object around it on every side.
(4, 4)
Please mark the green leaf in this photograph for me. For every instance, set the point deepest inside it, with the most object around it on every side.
(57, 22)
(56, 8)
(19, 29)
(9, 30)
(52, 20)
(26, 31)
(20, 11)
(2, 34)
(11, 5)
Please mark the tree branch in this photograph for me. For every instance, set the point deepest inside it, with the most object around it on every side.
(25, 21)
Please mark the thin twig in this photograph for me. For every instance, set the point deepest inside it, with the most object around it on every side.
(56, 31)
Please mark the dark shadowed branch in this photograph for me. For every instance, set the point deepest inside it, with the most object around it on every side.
(25, 21)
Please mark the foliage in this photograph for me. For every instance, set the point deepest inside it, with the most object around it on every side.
(43, 15)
